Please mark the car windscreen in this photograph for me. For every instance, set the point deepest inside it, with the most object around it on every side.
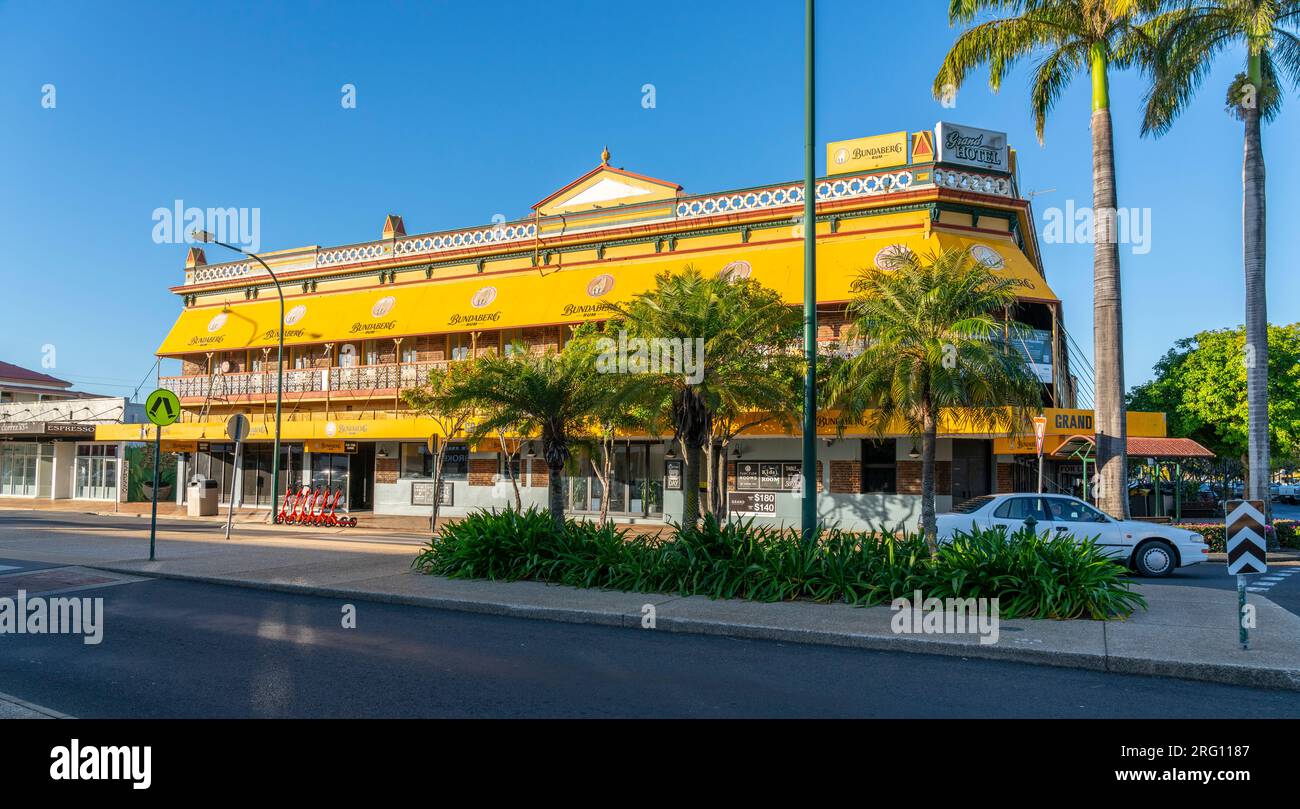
(972, 505)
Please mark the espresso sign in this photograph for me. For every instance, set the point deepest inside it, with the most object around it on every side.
(752, 504)
(968, 146)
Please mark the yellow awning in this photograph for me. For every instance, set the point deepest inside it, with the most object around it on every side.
(263, 429)
(551, 295)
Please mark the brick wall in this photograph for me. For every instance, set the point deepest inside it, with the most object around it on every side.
(481, 471)
(846, 477)
(541, 476)
(909, 477)
(1005, 478)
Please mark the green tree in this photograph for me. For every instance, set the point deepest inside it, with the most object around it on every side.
(739, 332)
(623, 409)
(1070, 36)
(552, 395)
(1188, 38)
(431, 400)
(934, 332)
(1201, 386)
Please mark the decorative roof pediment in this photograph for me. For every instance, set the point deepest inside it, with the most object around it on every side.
(606, 187)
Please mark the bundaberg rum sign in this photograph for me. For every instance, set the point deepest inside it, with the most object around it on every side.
(862, 154)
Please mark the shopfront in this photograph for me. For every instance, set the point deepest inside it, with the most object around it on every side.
(635, 486)
(19, 463)
(41, 459)
(95, 472)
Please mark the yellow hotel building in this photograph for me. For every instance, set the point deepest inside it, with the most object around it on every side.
(365, 321)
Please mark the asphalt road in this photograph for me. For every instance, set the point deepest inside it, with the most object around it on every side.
(183, 649)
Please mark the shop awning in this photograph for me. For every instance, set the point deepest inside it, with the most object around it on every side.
(1138, 447)
(551, 295)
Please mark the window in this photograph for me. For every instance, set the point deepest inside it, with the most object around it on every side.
(417, 463)
(459, 346)
(508, 339)
(879, 468)
(516, 467)
(1067, 510)
(1022, 508)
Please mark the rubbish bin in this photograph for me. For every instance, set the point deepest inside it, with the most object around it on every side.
(201, 498)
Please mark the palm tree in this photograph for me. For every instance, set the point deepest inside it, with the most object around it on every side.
(1070, 36)
(552, 395)
(1187, 39)
(742, 330)
(934, 343)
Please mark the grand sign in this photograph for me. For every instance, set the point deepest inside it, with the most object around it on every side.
(968, 146)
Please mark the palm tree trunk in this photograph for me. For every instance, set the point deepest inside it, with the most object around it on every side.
(1254, 231)
(929, 437)
(1108, 327)
(691, 485)
(555, 489)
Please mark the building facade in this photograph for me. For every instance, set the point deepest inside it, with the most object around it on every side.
(48, 448)
(365, 321)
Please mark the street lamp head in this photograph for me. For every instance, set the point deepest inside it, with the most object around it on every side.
(201, 236)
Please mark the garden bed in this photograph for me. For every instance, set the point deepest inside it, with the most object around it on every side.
(1031, 576)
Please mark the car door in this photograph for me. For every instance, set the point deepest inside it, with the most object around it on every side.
(1080, 520)
(1013, 513)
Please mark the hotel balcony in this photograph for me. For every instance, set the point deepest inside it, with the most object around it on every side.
(362, 381)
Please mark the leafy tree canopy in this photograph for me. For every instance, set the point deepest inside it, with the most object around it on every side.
(1200, 384)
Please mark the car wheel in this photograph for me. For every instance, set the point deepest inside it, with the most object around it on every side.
(1155, 559)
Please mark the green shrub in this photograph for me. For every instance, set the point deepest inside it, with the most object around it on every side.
(1032, 576)
(1215, 532)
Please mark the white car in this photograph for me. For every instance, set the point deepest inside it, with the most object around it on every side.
(1151, 549)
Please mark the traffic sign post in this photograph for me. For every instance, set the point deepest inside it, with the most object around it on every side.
(163, 408)
(1247, 550)
(236, 427)
(1040, 432)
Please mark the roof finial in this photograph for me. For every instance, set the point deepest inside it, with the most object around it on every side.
(604, 156)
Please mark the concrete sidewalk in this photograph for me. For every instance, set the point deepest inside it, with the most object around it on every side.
(1187, 631)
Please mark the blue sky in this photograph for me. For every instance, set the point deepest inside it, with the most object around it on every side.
(469, 110)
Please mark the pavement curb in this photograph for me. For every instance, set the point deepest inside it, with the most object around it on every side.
(1229, 674)
(47, 713)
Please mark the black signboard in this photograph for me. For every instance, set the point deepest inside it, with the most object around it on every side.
(422, 493)
(769, 476)
(760, 504)
(673, 475)
(792, 476)
(747, 476)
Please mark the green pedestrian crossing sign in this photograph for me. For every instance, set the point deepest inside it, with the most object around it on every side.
(162, 407)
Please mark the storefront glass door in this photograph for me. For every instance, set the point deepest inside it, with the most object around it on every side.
(18, 469)
(95, 473)
(635, 485)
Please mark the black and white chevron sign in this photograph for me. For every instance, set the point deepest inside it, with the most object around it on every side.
(1245, 535)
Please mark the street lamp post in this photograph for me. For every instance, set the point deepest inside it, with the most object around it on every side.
(809, 502)
(208, 238)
